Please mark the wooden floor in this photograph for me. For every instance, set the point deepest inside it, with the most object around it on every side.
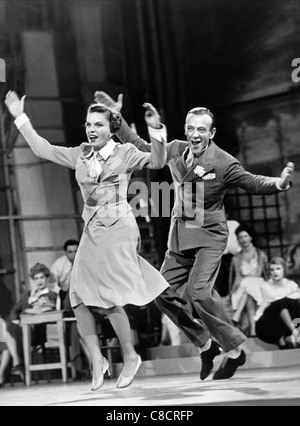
(272, 386)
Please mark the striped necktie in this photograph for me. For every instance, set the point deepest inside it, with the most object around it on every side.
(190, 160)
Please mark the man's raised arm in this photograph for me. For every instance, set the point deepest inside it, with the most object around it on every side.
(126, 135)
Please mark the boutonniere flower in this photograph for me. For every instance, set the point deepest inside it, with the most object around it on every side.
(199, 171)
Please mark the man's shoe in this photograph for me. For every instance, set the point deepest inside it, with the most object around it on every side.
(229, 367)
(207, 360)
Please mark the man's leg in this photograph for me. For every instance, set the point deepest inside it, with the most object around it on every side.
(207, 302)
(208, 305)
(174, 301)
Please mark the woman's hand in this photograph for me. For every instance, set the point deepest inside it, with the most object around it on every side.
(14, 104)
(152, 116)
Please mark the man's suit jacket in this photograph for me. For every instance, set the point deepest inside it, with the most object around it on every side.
(204, 186)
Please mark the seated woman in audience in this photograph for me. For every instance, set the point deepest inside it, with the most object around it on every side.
(279, 313)
(249, 268)
(40, 299)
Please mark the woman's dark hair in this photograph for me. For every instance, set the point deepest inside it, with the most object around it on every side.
(39, 268)
(249, 230)
(114, 118)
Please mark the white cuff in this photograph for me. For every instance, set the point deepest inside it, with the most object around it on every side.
(279, 187)
(158, 134)
(22, 119)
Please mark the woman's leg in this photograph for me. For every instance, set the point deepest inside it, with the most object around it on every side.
(13, 349)
(5, 360)
(87, 325)
(251, 308)
(121, 325)
(287, 320)
(83, 345)
(241, 306)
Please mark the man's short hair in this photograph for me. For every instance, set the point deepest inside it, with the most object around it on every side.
(202, 111)
(70, 243)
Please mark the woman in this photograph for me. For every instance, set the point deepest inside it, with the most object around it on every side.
(278, 315)
(38, 300)
(249, 268)
(107, 272)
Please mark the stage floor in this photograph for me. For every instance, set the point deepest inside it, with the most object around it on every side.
(277, 386)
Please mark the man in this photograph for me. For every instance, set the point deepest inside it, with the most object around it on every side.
(61, 272)
(197, 241)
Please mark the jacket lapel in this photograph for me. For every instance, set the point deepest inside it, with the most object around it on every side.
(180, 163)
(205, 161)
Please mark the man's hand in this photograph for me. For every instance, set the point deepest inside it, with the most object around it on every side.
(104, 98)
(14, 104)
(152, 116)
(286, 176)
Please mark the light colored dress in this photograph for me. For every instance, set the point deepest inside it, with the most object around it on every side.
(250, 275)
(107, 270)
(272, 292)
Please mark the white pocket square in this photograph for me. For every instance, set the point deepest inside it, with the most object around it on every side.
(210, 176)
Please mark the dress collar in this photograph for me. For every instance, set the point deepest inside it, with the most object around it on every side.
(37, 293)
(105, 152)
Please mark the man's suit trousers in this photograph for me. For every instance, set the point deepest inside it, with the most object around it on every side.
(191, 301)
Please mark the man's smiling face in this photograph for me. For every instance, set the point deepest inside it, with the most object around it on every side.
(198, 132)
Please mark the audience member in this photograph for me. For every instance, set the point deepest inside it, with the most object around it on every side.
(280, 308)
(248, 270)
(61, 271)
(38, 300)
(4, 354)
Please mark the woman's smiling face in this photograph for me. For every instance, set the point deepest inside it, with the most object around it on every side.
(97, 129)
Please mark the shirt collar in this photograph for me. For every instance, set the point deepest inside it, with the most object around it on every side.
(188, 155)
(39, 292)
(105, 152)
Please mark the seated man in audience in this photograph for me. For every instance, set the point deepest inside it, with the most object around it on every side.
(61, 275)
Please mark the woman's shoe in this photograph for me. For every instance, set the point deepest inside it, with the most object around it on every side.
(98, 383)
(123, 381)
(17, 370)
